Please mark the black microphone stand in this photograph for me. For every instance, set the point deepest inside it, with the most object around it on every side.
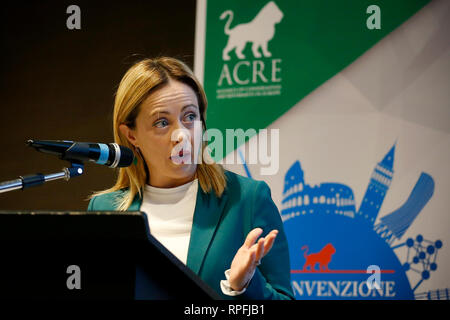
(76, 169)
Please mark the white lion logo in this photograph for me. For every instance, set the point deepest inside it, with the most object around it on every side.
(259, 31)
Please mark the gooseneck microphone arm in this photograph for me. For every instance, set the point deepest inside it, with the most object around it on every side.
(24, 182)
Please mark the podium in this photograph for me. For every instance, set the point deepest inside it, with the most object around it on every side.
(90, 255)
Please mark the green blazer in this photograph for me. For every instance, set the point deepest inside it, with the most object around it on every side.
(220, 226)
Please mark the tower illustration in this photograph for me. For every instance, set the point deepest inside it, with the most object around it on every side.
(378, 186)
(395, 224)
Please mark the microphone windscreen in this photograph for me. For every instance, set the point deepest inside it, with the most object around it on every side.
(126, 157)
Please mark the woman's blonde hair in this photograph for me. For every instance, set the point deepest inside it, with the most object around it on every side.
(142, 79)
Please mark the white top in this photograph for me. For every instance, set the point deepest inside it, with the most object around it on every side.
(170, 213)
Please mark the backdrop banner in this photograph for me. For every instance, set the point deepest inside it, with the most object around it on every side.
(342, 107)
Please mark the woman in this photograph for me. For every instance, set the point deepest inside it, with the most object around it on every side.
(208, 217)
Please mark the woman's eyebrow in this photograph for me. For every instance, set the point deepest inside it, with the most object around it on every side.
(157, 111)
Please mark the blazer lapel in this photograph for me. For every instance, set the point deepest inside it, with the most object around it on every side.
(207, 214)
(136, 204)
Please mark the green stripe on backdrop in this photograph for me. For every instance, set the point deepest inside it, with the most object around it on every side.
(313, 41)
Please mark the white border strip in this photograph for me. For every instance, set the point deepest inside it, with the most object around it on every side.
(200, 35)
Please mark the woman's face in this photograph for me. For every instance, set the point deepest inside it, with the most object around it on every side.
(165, 134)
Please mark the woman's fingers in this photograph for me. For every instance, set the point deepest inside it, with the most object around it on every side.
(262, 246)
(251, 237)
(259, 250)
(248, 256)
(269, 240)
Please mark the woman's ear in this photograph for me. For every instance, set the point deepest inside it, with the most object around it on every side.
(130, 134)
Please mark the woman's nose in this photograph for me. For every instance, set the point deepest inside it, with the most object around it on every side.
(180, 134)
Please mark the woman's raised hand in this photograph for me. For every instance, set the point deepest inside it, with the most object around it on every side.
(249, 257)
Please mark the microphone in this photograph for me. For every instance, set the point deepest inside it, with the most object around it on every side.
(110, 154)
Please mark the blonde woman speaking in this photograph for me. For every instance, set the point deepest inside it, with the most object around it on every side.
(223, 226)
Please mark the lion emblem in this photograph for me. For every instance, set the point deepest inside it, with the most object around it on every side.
(259, 31)
(323, 258)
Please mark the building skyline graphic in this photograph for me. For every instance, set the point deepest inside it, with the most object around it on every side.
(336, 198)
(333, 199)
(300, 198)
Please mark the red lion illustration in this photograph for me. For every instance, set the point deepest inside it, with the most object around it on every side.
(323, 258)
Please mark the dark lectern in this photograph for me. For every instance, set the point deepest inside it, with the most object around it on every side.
(90, 255)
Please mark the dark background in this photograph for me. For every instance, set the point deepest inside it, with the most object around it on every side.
(59, 84)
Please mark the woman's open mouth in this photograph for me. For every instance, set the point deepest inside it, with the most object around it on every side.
(183, 157)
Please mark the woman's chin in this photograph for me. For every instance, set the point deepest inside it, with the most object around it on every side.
(183, 167)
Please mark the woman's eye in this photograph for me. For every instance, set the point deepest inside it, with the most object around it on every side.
(161, 123)
(191, 117)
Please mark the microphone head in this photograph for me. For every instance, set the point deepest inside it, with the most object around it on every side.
(126, 157)
(112, 154)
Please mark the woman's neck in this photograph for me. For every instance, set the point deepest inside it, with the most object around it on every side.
(170, 183)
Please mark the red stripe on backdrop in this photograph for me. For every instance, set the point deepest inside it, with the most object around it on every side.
(341, 271)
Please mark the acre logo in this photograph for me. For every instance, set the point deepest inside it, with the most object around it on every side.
(256, 73)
